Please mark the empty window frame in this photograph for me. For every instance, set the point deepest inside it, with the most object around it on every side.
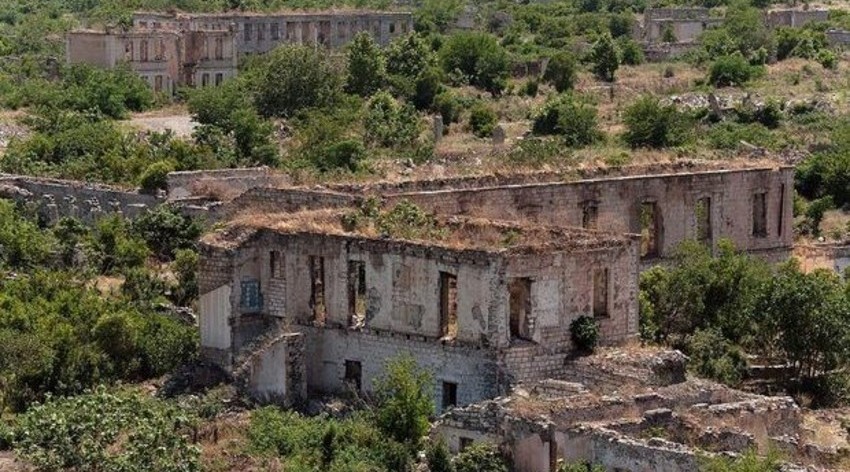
(341, 29)
(760, 214)
(275, 31)
(157, 83)
(449, 395)
(589, 215)
(448, 305)
(392, 27)
(143, 50)
(160, 51)
(356, 293)
(463, 443)
(205, 79)
(650, 229)
(261, 31)
(354, 375)
(128, 51)
(600, 292)
(275, 264)
(317, 289)
(219, 78)
(219, 48)
(520, 307)
(702, 217)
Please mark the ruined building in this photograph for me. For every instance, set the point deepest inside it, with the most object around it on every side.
(164, 59)
(171, 50)
(294, 299)
(259, 33)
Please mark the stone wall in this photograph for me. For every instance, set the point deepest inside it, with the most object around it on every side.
(275, 371)
(795, 18)
(838, 38)
(829, 256)
(221, 183)
(618, 203)
(282, 200)
(53, 199)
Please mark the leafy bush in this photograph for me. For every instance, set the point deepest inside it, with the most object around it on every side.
(603, 58)
(185, 268)
(292, 78)
(165, 230)
(731, 70)
(115, 246)
(561, 71)
(390, 124)
(579, 467)
(481, 457)
(572, 118)
(448, 106)
(714, 357)
(409, 56)
(584, 332)
(404, 400)
(482, 120)
(23, 245)
(479, 58)
(438, 456)
(106, 431)
(155, 177)
(366, 65)
(827, 59)
(650, 124)
(728, 135)
(827, 172)
(631, 53)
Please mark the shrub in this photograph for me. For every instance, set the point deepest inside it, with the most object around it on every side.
(650, 124)
(404, 400)
(23, 245)
(482, 120)
(124, 431)
(348, 154)
(155, 177)
(448, 106)
(366, 65)
(480, 457)
(438, 456)
(631, 53)
(584, 332)
(567, 116)
(479, 57)
(603, 58)
(165, 230)
(827, 59)
(730, 70)
(579, 467)
(427, 86)
(714, 357)
(409, 56)
(390, 124)
(292, 78)
(530, 88)
(561, 71)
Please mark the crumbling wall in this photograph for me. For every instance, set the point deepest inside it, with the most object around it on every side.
(222, 182)
(275, 372)
(795, 18)
(274, 200)
(618, 203)
(838, 37)
(53, 199)
(823, 256)
(473, 370)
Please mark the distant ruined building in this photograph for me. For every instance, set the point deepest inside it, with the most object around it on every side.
(192, 50)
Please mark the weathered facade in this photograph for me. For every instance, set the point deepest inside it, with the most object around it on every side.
(164, 59)
(259, 33)
(481, 318)
(359, 300)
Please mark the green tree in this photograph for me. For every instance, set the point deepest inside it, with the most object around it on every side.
(482, 120)
(366, 66)
(651, 124)
(404, 400)
(409, 56)
(478, 57)
(389, 123)
(185, 269)
(481, 457)
(436, 16)
(604, 58)
(561, 71)
(808, 319)
(22, 244)
(731, 70)
(292, 78)
(570, 117)
(165, 231)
